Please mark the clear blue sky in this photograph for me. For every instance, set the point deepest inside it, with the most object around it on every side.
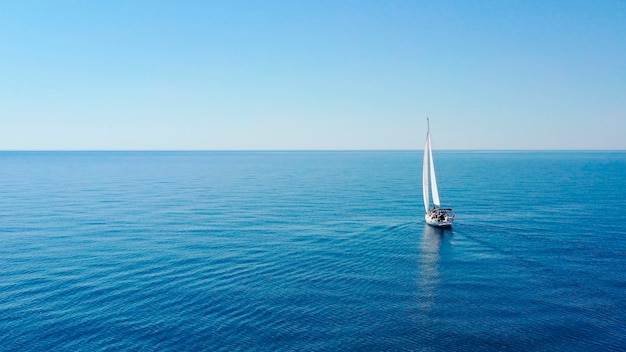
(312, 74)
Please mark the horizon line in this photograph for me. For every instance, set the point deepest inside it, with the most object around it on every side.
(313, 150)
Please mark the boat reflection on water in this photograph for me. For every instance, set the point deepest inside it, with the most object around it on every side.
(428, 279)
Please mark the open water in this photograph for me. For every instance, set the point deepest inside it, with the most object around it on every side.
(307, 251)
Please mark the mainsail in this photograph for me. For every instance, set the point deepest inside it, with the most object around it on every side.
(429, 164)
(433, 179)
(425, 176)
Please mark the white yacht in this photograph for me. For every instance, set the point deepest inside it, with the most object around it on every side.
(435, 215)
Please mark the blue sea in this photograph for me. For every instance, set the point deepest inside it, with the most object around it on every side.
(311, 251)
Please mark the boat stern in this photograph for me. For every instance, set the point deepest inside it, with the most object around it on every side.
(441, 217)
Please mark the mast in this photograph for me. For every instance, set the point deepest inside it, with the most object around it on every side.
(425, 174)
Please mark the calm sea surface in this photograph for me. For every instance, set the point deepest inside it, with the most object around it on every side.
(271, 251)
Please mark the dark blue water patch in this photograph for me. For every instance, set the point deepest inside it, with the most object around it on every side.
(311, 251)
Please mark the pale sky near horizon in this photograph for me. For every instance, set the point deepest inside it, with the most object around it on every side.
(230, 75)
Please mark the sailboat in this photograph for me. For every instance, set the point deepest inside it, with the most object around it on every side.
(436, 216)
